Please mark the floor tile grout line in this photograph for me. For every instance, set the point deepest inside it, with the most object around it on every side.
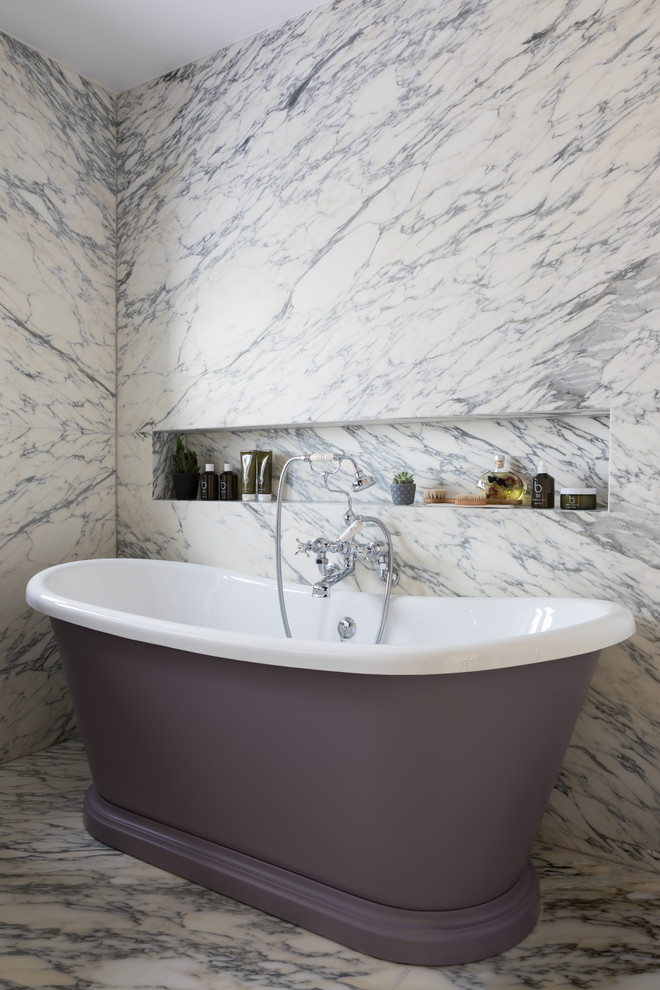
(400, 978)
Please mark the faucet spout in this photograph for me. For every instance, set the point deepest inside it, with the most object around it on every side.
(322, 588)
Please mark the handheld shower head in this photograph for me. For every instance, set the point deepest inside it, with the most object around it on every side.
(361, 480)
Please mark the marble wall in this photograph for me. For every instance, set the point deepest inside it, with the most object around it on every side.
(57, 365)
(384, 212)
(436, 221)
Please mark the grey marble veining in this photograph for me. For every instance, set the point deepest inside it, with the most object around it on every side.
(57, 365)
(75, 913)
(392, 173)
(379, 212)
(390, 214)
(452, 454)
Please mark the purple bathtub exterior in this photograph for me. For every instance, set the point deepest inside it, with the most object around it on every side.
(394, 814)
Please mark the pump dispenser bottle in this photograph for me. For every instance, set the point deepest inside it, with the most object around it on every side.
(543, 488)
(208, 484)
(500, 485)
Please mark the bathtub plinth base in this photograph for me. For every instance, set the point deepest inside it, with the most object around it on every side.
(427, 938)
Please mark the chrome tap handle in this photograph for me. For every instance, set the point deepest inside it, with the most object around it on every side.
(374, 551)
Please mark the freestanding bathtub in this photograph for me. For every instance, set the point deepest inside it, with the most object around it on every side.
(383, 796)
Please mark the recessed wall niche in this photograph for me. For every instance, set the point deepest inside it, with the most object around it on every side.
(448, 453)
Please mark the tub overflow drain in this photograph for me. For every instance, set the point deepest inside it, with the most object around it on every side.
(346, 627)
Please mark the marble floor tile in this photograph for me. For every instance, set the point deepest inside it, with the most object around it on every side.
(75, 914)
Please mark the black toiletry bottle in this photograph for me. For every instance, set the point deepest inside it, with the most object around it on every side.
(208, 484)
(228, 485)
(543, 488)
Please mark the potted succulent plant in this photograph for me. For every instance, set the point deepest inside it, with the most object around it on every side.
(403, 488)
(185, 471)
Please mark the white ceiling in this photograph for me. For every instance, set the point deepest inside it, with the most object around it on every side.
(122, 43)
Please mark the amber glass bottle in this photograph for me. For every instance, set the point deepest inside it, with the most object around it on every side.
(543, 488)
(228, 485)
(208, 484)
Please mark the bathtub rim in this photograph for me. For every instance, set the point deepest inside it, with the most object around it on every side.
(612, 626)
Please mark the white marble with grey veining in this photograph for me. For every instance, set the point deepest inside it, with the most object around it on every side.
(423, 223)
(57, 365)
(451, 454)
(392, 210)
(379, 215)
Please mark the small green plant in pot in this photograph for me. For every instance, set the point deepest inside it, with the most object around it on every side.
(403, 488)
(185, 471)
